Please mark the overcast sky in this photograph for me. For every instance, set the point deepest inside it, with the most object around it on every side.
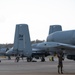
(38, 14)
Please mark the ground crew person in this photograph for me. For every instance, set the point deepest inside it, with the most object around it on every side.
(60, 62)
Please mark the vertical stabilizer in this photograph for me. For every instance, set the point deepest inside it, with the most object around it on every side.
(54, 28)
(22, 42)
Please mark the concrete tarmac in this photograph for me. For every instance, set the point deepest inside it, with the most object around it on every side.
(10, 67)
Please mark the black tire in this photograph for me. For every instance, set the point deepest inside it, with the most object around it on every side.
(9, 58)
(42, 59)
(29, 59)
(17, 59)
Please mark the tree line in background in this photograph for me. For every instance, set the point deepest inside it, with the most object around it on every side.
(11, 45)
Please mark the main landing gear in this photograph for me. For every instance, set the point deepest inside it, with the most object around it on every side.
(29, 59)
(17, 58)
(42, 59)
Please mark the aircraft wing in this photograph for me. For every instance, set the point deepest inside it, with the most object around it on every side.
(57, 45)
(66, 46)
(35, 49)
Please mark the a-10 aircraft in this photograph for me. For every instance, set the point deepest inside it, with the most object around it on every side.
(57, 40)
(61, 40)
(3, 52)
(22, 45)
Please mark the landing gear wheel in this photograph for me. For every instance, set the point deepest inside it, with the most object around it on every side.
(17, 59)
(42, 59)
(29, 59)
(9, 58)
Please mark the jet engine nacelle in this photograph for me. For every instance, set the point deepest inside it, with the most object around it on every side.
(67, 37)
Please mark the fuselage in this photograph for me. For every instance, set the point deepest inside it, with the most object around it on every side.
(37, 50)
(67, 37)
